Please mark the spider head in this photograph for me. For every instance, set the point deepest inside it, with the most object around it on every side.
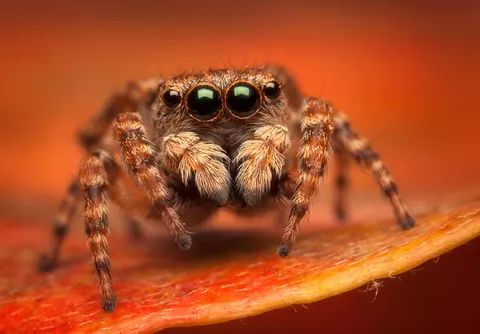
(222, 95)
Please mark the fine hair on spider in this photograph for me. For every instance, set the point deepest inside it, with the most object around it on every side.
(234, 137)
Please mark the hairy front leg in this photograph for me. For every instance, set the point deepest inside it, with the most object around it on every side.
(313, 156)
(140, 156)
(97, 171)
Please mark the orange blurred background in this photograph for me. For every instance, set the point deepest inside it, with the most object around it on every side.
(407, 74)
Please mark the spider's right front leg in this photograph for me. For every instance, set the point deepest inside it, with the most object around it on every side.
(140, 158)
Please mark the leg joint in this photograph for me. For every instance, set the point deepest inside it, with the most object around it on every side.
(365, 155)
(300, 210)
(98, 226)
(390, 189)
(95, 192)
(102, 264)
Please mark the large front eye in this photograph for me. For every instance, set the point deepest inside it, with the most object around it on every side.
(204, 102)
(243, 99)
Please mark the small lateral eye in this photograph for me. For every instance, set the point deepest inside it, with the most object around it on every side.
(243, 99)
(204, 102)
(172, 98)
(271, 90)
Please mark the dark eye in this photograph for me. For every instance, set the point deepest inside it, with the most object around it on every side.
(204, 102)
(172, 98)
(243, 99)
(272, 90)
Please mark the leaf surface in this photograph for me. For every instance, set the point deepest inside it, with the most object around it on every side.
(228, 274)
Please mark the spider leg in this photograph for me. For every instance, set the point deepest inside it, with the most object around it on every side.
(341, 182)
(313, 156)
(133, 94)
(363, 153)
(61, 225)
(140, 159)
(97, 171)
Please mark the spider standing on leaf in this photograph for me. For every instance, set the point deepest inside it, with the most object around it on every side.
(233, 137)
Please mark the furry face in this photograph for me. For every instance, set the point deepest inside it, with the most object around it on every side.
(223, 133)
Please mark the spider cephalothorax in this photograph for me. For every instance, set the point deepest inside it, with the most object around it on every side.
(208, 126)
(234, 137)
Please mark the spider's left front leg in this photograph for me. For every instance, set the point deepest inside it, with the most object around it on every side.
(313, 156)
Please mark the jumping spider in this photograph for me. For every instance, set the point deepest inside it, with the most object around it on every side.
(234, 137)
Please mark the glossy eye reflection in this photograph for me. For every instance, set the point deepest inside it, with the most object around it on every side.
(272, 90)
(172, 98)
(243, 99)
(204, 102)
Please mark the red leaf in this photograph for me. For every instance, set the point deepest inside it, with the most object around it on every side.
(226, 275)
